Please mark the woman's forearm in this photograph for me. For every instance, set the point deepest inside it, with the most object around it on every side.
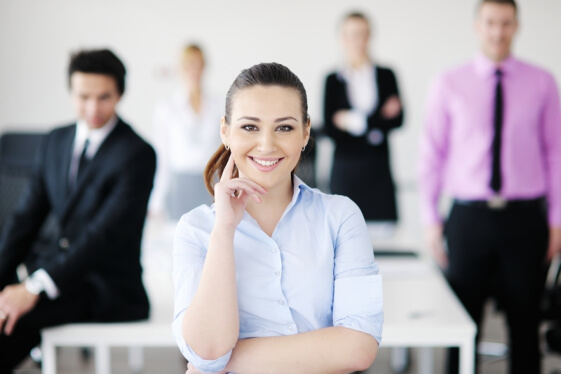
(211, 323)
(328, 350)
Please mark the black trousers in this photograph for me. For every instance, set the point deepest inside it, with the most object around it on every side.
(500, 254)
(26, 335)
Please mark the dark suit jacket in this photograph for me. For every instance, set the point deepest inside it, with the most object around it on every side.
(87, 238)
(361, 170)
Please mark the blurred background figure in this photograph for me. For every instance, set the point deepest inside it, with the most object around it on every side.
(186, 133)
(361, 106)
(492, 141)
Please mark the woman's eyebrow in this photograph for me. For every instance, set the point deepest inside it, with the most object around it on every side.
(282, 119)
(255, 119)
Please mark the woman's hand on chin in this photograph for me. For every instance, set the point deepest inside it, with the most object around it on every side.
(231, 196)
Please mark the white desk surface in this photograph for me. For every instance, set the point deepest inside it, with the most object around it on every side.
(419, 307)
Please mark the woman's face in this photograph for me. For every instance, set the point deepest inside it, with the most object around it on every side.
(266, 134)
(355, 35)
(192, 66)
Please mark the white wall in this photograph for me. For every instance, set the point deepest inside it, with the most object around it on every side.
(416, 38)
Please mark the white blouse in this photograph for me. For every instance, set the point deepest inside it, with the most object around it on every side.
(362, 92)
(184, 140)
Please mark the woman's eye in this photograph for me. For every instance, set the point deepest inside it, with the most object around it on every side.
(285, 128)
(249, 127)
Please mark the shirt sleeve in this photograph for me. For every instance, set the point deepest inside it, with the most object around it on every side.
(357, 299)
(551, 122)
(433, 152)
(46, 283)
(355, 122)
(188, 260)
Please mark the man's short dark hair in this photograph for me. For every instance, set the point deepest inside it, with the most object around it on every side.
(508, 2)
(101, 61)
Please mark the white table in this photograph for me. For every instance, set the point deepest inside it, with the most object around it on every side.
(420, 310)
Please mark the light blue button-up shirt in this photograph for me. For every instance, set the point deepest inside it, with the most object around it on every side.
(317, 270)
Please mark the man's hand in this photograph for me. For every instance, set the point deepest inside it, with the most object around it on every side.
(435, 242)
(554, 247)
(15, 301)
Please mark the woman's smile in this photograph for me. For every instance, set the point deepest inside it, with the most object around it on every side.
(266, 164)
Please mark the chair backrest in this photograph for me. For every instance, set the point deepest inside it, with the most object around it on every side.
(18, 157)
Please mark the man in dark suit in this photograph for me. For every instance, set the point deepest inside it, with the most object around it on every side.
(79, 224)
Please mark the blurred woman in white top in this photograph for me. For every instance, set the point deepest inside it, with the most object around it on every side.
(185, 136)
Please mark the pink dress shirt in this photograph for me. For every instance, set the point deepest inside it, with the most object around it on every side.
(455, 149)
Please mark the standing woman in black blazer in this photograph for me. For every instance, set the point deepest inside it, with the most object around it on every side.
(361, 106)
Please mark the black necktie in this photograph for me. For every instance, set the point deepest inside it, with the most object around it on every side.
(496, 177)
(82, 165)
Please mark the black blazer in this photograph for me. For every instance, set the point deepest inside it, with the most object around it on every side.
(88, 238)
(361, 170)
(335, 98)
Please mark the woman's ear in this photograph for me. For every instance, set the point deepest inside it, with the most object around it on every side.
(224, 131)
(307, 129)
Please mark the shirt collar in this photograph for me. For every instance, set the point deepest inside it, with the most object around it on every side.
(347, 72)
(297, 185)
(95, 136)
(486, 68)
(83, 131)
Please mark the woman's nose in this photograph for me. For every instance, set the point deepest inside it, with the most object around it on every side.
(267, 143)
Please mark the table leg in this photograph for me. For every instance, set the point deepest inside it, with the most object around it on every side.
(48, 351)
(467, 358)
(426, 360)
(136, 359)
(102, 359)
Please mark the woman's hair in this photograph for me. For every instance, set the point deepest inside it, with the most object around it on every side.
(264, 74)
(508, 2)
(356, 15)
(190, 50)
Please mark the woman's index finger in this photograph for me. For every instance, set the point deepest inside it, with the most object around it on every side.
(228, 170)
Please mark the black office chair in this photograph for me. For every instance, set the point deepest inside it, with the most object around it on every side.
(18, 157)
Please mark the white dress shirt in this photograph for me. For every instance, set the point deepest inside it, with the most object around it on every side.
(184, 140)
(317, 270)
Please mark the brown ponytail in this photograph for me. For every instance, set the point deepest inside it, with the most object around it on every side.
(215, 167)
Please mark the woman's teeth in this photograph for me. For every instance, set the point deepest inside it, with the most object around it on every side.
(265, 163)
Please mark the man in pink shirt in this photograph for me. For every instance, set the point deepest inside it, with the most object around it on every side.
(492, 142)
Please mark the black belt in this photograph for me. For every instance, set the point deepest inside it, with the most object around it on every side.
(499, 203)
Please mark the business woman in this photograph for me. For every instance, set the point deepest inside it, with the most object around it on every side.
(185, 136)
(275, 276)
(361, 107)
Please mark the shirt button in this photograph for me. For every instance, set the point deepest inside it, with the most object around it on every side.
(277, 273)
(64, 243)
(281, 302)
(290, 328)
(274, 250)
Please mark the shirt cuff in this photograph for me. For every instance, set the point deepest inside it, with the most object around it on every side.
(355, 123)
(40, 281)
(359, 304)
